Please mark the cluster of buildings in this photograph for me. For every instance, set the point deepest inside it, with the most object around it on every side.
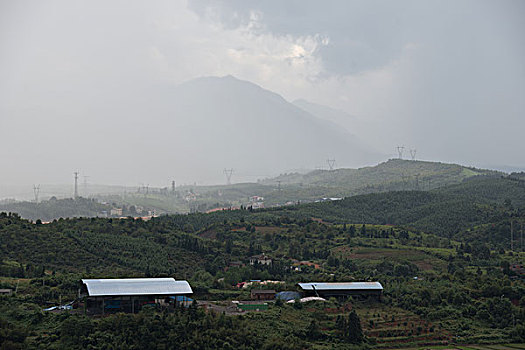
(256, 202)
(101, 296)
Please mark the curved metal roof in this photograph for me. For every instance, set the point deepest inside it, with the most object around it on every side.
(341, 286)
(136, 286)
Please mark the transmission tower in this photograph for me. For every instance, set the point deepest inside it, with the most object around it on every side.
(405, 179)
(400, 150)
(36, 191)
(228, 173)
(85, 184)
(76, 184)
(173, 186)
(413, 154)
(417, 181)
(331, 163)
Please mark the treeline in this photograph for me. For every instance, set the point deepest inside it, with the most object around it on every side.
(182, 328)
(56, 208)
(447, 211)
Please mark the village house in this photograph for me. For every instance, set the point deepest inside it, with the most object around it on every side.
(262, 294)
(116, 212)
(260, 259)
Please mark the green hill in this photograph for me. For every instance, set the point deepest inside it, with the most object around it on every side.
(394, 174)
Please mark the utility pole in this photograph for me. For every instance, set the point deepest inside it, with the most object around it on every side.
(173, 186)
(228, 173)
(417, 182)
(36, 191)
(76, 184)
(279, 185)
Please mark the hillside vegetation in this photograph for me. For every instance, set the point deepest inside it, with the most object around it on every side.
(443, 256)
(393, 174)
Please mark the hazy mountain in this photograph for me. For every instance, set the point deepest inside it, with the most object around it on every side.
(215, 123)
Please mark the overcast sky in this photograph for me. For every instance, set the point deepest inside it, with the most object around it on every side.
(445, 77)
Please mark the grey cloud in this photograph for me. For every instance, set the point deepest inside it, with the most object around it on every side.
(446, 77)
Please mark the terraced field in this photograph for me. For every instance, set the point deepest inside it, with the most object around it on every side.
(392, 327)
(423, 260)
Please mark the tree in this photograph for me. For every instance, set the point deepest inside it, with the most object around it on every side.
(312, 331)
(355, 333)
(229, 245)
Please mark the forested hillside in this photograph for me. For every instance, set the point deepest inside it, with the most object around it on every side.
(393, 174)
(443, 257)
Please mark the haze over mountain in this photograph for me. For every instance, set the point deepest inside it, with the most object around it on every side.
(236, 124)
(334, 115)
(187, 133)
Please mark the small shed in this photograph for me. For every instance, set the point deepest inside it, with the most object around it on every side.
(262, 294)
(6, 291)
